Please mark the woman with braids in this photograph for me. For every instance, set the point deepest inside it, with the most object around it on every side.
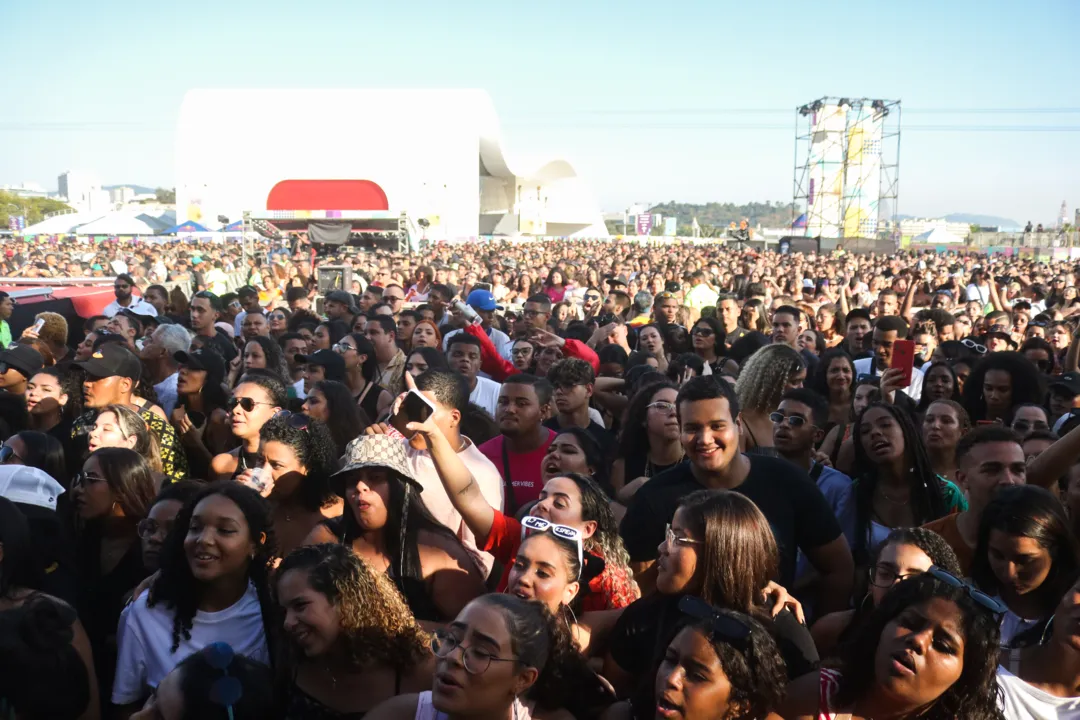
(999, 382)
(331, 403)
(904, 553)
(213, 586)
(895, 483)
(503, 657)
(929, 651)
(300, 457)
(351, 641)
(720, 548)
(386, 523)
(717, 664)
(765, 377)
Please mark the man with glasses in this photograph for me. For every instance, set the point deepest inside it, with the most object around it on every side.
(122, 289)
(797, 431)
(394, 296)
(536, 314)
(572, 381)
(592, 303)
(988, 458)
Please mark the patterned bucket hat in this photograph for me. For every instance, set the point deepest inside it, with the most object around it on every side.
(381, 451)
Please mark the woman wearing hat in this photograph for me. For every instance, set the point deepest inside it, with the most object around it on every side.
(387, 525)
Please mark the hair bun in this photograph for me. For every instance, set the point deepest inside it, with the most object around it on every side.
(46, 625)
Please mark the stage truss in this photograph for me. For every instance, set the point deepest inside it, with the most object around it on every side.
(847, 168)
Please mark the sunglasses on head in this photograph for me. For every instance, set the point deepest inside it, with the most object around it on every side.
(721, 624)
(248, 404)
(298, 421)
(972, 345)
(530, 525)
(981, 598)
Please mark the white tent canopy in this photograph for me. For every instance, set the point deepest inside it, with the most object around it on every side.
(937, 236)
(119, 222)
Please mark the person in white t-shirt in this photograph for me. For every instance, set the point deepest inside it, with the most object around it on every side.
(449, 393)
(212, 587)
(463, 355)
(1038, 682)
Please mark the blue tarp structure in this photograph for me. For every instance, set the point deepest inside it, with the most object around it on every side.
(800, 222)
(185, 227)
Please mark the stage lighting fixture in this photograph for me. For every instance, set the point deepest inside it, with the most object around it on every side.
(878, 105)
(816, 105)
(844, 103)
(805, 110)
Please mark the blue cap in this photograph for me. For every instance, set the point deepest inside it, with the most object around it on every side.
(481, 300)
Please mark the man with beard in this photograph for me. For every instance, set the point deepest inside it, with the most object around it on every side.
(518, 452)
(122, 289)
(800, 517)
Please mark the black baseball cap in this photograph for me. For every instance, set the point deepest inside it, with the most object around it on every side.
(340, 296)
(1069, 382)
(23, 358)
(202, 359)
(112, 360)
(330, 361)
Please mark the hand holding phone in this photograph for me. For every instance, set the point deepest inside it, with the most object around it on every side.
(903, 358)
(412, 407)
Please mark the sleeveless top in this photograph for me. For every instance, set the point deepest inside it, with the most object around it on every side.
(426, 711)
(414, 590)
(303, 706)
(368, 399)
(828, 684)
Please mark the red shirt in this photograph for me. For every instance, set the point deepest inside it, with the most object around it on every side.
(524, 471)
(611, 590)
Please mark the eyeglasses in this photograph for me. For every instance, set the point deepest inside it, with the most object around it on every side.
(532, 524)
(972, 345)
(81, 478)
(248, 404)
(984, 600)
(662, 405)
(674, 540)
(393, 298)
(721, 624)
(148, 528)
(531, 313)
(226, 690)
(703, 332)
(7, 453)
(794, 421)
(523, 350)
(475, 660)
(885, 576)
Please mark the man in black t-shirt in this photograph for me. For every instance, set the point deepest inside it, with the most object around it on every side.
(800, 517)
(573, 381)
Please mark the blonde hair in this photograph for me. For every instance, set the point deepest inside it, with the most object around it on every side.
(54, 332)
(765, 376)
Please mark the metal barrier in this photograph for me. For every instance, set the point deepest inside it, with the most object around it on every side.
(57, 282)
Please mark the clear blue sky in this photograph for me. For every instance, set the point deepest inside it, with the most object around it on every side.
(97, 85)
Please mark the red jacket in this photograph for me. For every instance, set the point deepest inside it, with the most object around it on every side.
(499, 368)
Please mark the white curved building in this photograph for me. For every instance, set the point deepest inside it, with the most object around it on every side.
(432, 154)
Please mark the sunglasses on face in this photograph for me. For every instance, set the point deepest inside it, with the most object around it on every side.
(794, 421)
(248, 404)
(703, 332)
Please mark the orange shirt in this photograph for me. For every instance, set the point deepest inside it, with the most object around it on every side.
(946, 528)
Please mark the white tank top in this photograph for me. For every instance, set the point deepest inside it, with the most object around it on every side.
(426, 711)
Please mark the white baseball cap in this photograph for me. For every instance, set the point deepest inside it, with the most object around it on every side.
(30, 486)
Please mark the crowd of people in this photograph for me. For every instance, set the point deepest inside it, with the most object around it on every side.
(542, 479)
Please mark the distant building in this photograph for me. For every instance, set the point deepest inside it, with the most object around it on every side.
(79, 189)
(917, 226)
(1063, 216)
(121, 195)
(26, 190)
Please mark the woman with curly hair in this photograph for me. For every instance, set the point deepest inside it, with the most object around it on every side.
(928, 651)
(331, 403)
(766, 376)
(904, 553)
(649, 442)
(300, 456)
(719, 663)
(213, 586)
(503, 657)
(352, 640)
(999, 382)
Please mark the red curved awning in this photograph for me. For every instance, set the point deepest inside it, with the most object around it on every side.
(327, 195)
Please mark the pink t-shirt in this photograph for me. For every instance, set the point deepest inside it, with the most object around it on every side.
(524, 471)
